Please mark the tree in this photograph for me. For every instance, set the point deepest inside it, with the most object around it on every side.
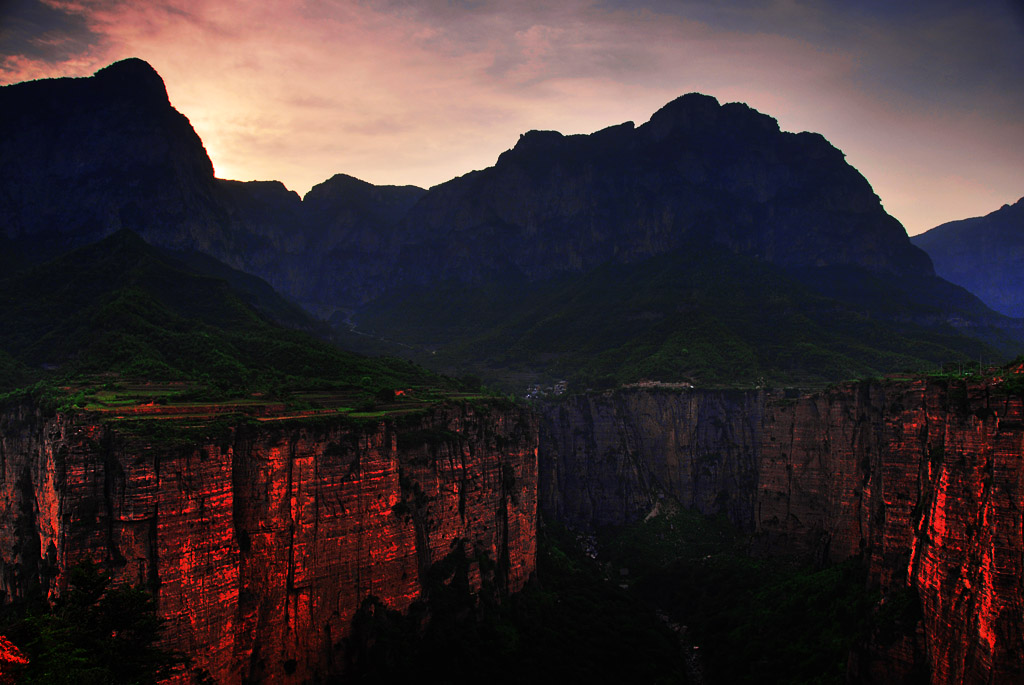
(94, 634)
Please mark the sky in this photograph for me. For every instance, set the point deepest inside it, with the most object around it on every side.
(925, 97)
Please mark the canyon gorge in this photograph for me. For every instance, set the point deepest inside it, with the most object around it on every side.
(261, 540)
(922, 479)
(705, 246)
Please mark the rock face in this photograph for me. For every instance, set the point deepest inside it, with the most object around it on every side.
(608, 458)
(262, 540)
(983, 254)
(925, 479)
(353, 226)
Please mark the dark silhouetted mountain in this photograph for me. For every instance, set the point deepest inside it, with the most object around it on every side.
(984, 254)
(696, 173)
(85, 157)
(354, 225)
(82, 158)
(700, 182)
(703, 244)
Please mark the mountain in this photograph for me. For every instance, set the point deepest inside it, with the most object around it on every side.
(82, 158)
(540, 233)
(281, 540)
(696, 173)
(705, 243)
(984, 254)
(352, 227)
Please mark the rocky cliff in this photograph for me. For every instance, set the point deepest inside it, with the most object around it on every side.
(261, 539)
(922, 478)
(607, 459)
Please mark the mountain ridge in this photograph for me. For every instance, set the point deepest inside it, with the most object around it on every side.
(983, 254)
(730, 151)
(699, 176)
(696, 168)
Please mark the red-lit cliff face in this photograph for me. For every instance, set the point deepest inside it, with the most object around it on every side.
(926, 479)
(262, 540)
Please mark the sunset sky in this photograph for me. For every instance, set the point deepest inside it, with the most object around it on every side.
(925, 97)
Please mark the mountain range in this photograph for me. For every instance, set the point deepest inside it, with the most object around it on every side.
(703, 244)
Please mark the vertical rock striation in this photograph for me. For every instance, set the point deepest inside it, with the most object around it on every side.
(925, 479)
(608, 458)
(261, 540)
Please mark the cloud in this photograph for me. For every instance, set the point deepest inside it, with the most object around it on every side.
(32, 30)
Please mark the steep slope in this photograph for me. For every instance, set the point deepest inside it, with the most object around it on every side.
(122, 306)
(984, 254)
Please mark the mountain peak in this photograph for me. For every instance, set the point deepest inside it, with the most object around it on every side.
(696, 112)
(693, 110)
(132, 78)
(688, 105)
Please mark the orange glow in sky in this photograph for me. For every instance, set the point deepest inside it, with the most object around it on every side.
(401, 92)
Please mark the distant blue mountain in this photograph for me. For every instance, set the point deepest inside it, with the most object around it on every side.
(984, 254)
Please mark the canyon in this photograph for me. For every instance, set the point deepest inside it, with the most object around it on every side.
(922, 479)
(261, 539)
